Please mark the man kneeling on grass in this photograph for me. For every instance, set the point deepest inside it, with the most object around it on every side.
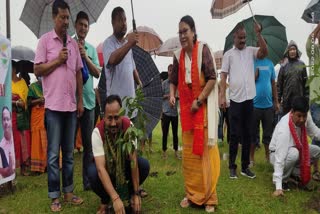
(115, 176)
(290, 153)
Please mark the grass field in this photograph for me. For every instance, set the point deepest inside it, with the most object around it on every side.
(166, 190)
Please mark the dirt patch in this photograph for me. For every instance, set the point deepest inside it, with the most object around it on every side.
(313, 203)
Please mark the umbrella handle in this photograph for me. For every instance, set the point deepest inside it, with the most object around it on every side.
(133, 20)
(134, 25)
(251, 12)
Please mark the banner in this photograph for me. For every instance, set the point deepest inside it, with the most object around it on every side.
(7, 157)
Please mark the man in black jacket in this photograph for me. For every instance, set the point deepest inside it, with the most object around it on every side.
(292, 78)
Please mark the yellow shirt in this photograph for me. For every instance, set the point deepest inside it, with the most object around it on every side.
(20, 88)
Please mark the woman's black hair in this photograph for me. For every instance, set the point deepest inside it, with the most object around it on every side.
(189, 21)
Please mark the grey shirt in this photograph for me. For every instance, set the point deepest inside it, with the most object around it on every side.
(119, 78)
(166, 108)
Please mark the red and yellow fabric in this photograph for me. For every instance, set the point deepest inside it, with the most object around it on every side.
(22, 138)
(38, 132)
(200, 161)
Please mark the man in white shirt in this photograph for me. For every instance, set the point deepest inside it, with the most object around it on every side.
(285, 156)
(238, 63)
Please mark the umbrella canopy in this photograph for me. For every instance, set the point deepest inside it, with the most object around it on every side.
(37, 14)
(273, 32)
(222, 8)
(152, 88)
(100, 54)
(22, 53)
(149, 40)
(23, 56)
(312, 12)
(169, 47)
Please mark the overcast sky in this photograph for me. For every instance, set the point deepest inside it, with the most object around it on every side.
(164, 15)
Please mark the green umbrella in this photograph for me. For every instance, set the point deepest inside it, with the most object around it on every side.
(272, 31)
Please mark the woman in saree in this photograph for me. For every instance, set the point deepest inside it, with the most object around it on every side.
(20, 121)
(194, 76)
(38, 131)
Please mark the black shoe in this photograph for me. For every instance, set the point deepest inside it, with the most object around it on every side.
(285, 186)
(248, 173)
(233, 174)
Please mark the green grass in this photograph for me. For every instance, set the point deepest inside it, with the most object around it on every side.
(165, 192)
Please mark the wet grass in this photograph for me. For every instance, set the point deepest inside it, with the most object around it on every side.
(165, 189)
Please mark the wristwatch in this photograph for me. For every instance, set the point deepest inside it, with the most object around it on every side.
(199, 103)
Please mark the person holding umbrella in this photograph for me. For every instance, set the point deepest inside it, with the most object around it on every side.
(238, 63)
(121, 73)
(58, 61)
(194, 75)
(90, 58)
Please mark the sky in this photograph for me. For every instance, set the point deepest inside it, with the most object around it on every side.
(164, 15)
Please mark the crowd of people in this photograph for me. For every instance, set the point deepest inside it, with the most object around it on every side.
(47, 114)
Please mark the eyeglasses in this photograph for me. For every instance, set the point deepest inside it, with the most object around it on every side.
(183, 32)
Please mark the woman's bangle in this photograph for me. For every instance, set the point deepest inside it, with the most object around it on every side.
(116, 198)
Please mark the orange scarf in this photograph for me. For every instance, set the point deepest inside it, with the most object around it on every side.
(191, 121)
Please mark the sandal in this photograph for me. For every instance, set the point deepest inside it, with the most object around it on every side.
(75, 200)
(210, 209)
(316, 176)
(55, 207)
(185, 202)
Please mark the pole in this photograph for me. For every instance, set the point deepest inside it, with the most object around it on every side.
(8, 19)
(133, 21)
(248, 1)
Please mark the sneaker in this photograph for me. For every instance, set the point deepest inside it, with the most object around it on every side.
(177, 155)
(233, 174)
(248, 173)
(285, 186)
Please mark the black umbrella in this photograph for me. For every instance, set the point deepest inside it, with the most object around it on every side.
(312, 13)
(164, 75)
(152, 89)
(22, 59)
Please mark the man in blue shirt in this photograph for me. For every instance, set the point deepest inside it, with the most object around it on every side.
(264, 103)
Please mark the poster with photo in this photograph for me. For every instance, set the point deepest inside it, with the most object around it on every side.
(7, 156)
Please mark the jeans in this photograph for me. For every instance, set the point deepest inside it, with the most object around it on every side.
(87, 126)
(315, 114)
(60, 128)
(165, 123)
(98, 188)
(240, 119)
